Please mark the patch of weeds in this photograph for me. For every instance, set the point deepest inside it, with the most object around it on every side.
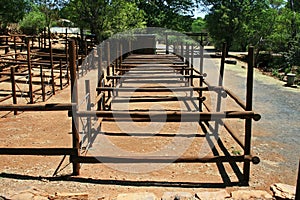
(236, 152)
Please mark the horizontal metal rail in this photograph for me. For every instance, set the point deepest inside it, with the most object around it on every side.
(158, 89)
(171, 116)
(37, 151)
(153, 77)
(158, 159)
(36, 107)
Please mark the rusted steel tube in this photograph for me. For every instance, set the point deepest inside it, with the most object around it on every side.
(37, 151)
(13, 87)
(248, 122)
(42, 83)
(60, 75)
(52, 68)
(158, 89)
(35, 107)
(29, 72)
(235, 98)
(74, 99)
(153, 77)
(169, 115)
(170, 159)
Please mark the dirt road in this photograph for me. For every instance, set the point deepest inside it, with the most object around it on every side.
(276, 136)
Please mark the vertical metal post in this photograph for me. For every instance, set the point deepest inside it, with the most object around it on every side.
(181, 50)
(167, 44)
(88, 107)
(222, 64)
(187, 57)
(248, 122)
(201, 94)
(201, 58)
(174, 48)
(39, 40)
(121, 55)
(15, 47)
(42, 83)
(13, 87)
(45, 37)
(100, 74)
(67, 58)
(192, 55)
(52, 69)
(32, 43)
(60, 74)
(29, 72)
(74, 99)
(192, 64)
(49, 35)
(77, 58)
(221, 77)
(108, 66)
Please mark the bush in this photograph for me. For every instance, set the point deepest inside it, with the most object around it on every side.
(33, 22)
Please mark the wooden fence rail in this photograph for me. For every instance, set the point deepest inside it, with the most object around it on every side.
(109, 84)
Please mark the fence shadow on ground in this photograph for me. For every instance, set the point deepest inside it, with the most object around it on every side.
(138, 183)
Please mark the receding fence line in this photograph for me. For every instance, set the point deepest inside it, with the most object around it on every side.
(110, 81)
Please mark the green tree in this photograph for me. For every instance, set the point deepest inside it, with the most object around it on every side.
(198, 25)
(105, 17)
(33, 22)
(171, 14)
(11, 11)
(50, 9)
(237, 22)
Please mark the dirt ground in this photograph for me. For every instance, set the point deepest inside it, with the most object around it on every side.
(51, 174)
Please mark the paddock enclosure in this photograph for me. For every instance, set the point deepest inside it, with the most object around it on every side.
(140, 109)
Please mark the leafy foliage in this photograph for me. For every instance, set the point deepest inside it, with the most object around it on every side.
(105, 17)
(11, 11)
(198, 25)
(171, 14)
(33, 22)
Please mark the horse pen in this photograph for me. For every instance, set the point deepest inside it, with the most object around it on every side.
(138, 112)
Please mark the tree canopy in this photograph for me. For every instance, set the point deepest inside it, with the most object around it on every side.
(11, 11)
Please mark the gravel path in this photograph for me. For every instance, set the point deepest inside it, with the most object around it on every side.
(276, 136)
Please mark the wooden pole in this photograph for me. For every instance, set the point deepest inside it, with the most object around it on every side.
(52, 69)
(248, 122)
(39, 40)
(15, 47)
(167, 44)
(221, 76)
(42, 83)
(45, 38)
(181, 50)
(100, 74)
(187, 56)
(29, 72)
(13, 87)
(108, 66)
(60, 74)
(192, 65)
(88, 108)
(74, 99)
(201, 58)
(121, 56)
(201, 79)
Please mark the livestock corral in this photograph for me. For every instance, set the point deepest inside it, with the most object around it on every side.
(148, 115)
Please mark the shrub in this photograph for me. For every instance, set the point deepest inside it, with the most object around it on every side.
(33, 22)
